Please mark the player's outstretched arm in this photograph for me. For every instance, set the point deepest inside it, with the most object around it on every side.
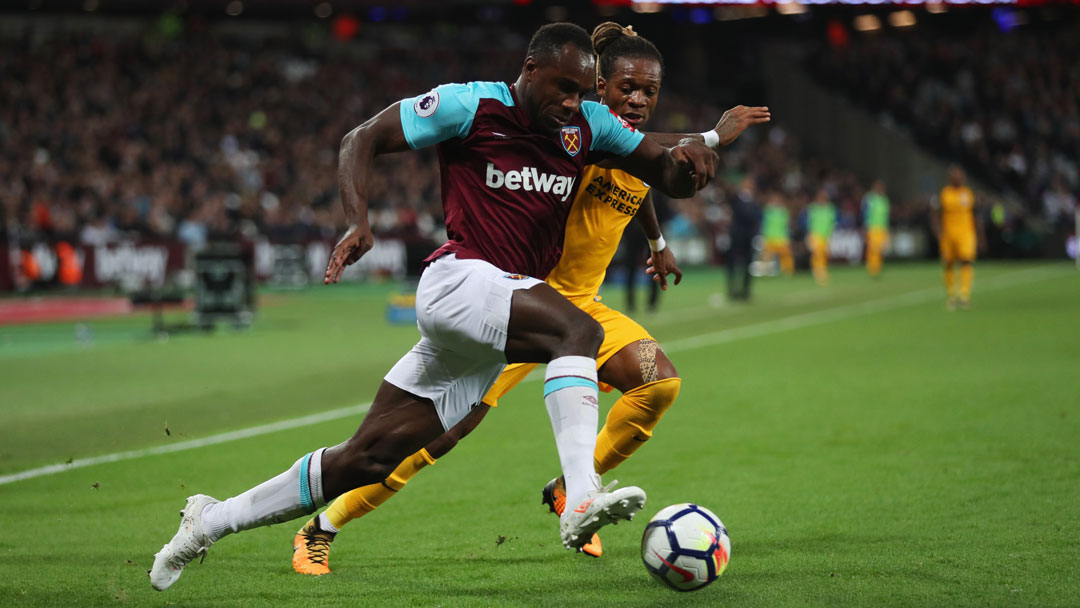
(728, 129)
(679, 171)
(380, 135)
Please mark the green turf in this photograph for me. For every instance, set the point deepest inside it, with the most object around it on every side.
(863, 446)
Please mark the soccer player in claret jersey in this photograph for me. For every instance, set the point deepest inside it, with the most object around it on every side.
(511, 157)
(629, 74)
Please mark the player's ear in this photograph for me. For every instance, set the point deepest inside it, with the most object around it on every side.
(601, 84)
(529, 69)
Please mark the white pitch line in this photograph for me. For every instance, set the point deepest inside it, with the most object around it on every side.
(849, 311)
(800, 321)
(191, 444)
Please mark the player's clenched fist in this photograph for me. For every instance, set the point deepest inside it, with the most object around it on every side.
(701, 159)
(357, 241)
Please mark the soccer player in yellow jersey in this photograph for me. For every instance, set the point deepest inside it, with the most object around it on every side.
(775, 230)
(954, 222)
(875, 209)
(629, 72)
(821, 220)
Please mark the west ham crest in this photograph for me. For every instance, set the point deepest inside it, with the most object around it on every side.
(571, 140)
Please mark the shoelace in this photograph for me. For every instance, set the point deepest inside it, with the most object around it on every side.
(318, 546)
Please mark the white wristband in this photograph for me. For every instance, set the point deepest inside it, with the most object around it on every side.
(657, 244)
(712, 138)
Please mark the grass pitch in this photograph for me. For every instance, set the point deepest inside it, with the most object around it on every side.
(863, 446)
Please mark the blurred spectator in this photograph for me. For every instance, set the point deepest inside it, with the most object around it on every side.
(1006, 103)
(202, 134)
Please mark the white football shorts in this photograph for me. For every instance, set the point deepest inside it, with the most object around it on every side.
(462, 310)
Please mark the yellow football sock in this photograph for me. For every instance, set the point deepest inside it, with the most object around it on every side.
(967, 275)
(820, 263)
(873, 261)
(950, 280)
(631, 421)
(361, 501)
(787, 261)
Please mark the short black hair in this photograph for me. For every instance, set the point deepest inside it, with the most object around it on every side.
(549, 40)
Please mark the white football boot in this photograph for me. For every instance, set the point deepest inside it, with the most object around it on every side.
(189, 542)
(598, 509)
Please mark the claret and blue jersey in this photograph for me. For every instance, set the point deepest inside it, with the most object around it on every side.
(506, 188)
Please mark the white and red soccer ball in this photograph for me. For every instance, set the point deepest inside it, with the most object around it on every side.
(685, 547)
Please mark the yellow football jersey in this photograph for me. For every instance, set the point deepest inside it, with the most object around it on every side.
(957, 210)
(605, 203)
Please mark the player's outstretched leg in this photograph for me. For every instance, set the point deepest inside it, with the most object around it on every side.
(397, 425)
(311, 545)
(546, 326)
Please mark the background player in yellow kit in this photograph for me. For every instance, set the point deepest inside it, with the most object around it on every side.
(821, 220)
(875, 209)
(954, 222)
(629, 73)
(776, 230)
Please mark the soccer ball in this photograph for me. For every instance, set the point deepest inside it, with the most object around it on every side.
(686, 547)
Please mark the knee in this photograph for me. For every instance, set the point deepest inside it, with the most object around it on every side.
(583, 336)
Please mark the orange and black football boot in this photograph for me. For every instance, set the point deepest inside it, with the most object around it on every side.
(554, 496)
(311, 549)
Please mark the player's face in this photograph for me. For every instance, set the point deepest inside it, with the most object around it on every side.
(557, 88)
(632, 89)
(956, 176)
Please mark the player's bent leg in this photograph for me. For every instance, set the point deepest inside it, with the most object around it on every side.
(544, 325)
(311, 545)
(650, 384)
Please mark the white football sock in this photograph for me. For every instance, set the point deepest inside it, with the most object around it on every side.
(292, 494)
(570, 394)
(325, 525)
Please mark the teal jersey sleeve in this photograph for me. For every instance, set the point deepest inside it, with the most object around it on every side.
(609, 132)
(447, 111)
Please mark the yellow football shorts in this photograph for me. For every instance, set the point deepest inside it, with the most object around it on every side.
(817, 243)
(877, 238)
(619, 332)
(776, 245)
(957, 247)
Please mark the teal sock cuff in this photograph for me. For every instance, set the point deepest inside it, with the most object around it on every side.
(562, 382)
(305, 485)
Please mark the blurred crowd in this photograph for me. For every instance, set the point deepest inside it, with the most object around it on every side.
(1006, 105)
(182, 131)
(199, 135)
